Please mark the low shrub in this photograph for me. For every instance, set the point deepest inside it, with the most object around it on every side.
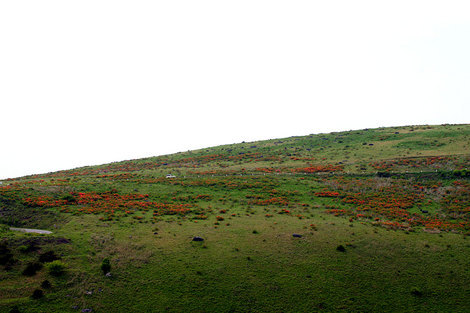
(46, 284)
(415, 291)
(69, 198)
(461, 173)
(23, 249)
(47, 257)
(383, 174)
(32, 268)
(37, 294)
(5, 254)
(56, 268)
(106, 266)
(15, 310)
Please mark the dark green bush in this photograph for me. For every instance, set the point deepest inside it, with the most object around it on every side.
(383, 174)
(69, 198)
(15, 310)
(48, 256)
(46, 284)
(32, 268)
(461, 173)
(415, 291)
(106, 266)
(5, 254)
(37, 294)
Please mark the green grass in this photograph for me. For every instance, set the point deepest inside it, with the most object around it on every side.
(249, 261)
(234, 269)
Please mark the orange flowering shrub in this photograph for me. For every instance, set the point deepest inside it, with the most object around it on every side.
(110, 203)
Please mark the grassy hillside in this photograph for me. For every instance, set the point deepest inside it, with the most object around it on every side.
(359, 221)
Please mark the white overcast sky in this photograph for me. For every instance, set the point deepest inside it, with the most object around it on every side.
(90, 82)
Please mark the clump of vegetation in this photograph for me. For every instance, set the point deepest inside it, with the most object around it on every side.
(383, 174)
(105, 266)
(6, 256)
(69, 198)
(415, 291)
(46, 284)
(32, 268)
(15, 309)
(23, 249)
(341, 248)
(56, 268)
(37, 294)
(47, 257)
(29, 247)
(461, 173)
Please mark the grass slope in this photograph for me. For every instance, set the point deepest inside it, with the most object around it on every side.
(383, 217)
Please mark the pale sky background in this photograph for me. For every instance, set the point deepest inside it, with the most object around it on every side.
(90, 82)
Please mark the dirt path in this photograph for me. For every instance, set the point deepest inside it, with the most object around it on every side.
(29, 230)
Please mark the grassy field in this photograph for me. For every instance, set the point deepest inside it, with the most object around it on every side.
(370, 220)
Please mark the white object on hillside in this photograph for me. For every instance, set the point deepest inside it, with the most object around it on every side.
(29, 230)
(170, 176)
